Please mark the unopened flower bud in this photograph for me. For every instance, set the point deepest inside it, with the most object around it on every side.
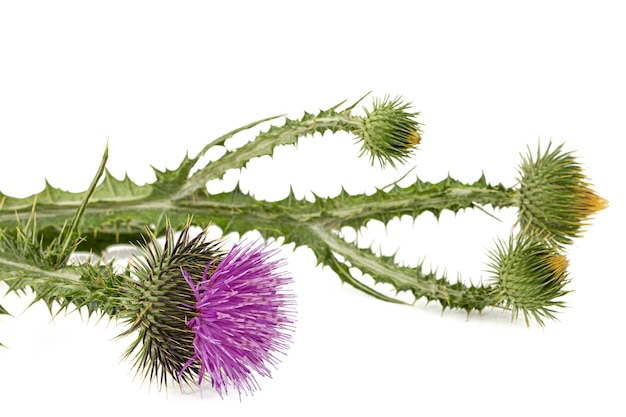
(389, 132)
(555, 196)
(529, 276)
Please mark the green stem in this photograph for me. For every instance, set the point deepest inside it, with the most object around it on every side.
(67, 238)
(383, 205)
(120, 210)
(384, 270)
(30, 273)
(265, 142)
(96, 287)
(312, 224)
(237, 211)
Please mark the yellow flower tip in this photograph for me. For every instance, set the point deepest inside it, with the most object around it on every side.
(591, 203)
(413, 139)
(558, 264)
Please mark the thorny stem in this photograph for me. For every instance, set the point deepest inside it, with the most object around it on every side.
(456, 296)
(334, 212)
(119, 210)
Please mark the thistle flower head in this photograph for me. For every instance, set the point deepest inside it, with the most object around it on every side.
(556, 197)
(529, 276)
(389, 132)
(243, 316)
(230, 322)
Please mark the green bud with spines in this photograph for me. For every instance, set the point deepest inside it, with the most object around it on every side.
(160, 302)
(555, 196)
(389, 132)
(529, 276)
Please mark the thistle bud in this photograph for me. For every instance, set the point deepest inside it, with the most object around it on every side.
(555, 196)
(199, 312)
(529, 276)
(389, 132)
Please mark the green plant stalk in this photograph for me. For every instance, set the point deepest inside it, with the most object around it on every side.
(111, 221)
(121, 218)
(311, 224)
(383, 269)
(120, 210)
(95, 287)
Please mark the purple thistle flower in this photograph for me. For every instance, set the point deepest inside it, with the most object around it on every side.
(243, 316)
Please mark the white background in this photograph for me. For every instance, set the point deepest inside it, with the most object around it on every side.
(159, 79)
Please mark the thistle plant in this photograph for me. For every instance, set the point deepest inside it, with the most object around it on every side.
(191, 305)
(199, 312)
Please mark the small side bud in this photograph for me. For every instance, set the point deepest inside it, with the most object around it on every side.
(555, 196)
(529, 276)
(389, 132)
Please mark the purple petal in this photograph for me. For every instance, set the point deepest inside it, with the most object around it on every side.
(243, 317)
